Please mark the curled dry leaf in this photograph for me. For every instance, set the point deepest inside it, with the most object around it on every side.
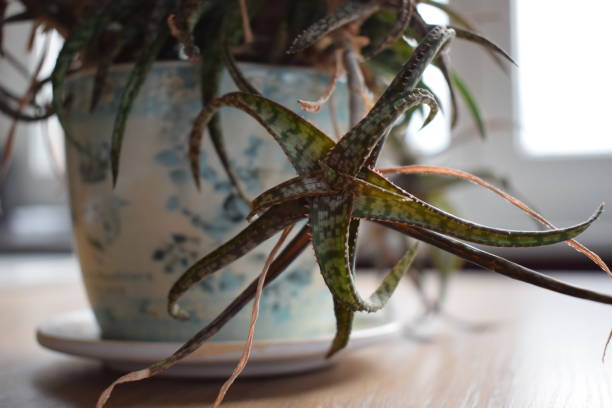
(244, 358)
(315, 106)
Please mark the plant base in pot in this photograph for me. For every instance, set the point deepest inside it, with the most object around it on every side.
(134, 240)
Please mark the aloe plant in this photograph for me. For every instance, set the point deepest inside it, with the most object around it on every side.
(210, 33)
(337, 182)
(101, 34)
(336, 187)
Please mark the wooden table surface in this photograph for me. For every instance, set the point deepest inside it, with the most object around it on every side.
(540, 350)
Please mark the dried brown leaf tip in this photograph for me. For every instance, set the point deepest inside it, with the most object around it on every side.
(315, 106)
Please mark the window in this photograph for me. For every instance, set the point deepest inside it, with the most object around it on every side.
(560, 125)
(565, 188)
(33, 210)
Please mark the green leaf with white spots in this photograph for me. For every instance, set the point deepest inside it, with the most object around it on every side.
(346, 13)
(237, 76)
(496, 263)
(372, 202)
(330, 220)
(493, 48)
(344, 326)
(399, 27)
(302, 142)
(254, 234)
(290, 190)
(351, 152)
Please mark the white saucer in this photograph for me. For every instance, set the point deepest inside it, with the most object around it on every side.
(76, 333)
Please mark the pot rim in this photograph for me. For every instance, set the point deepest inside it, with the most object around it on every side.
(128, 65)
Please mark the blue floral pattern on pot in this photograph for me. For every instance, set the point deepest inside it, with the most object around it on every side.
(134, 240)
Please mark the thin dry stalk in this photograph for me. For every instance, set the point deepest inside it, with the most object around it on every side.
(16, 64)
(55, 160)
(246, 25)
(246, 353)
(174, 30)
(315, 106)
(418, 169)
(129, 377)
(603, 355)
(334, 117)
(355, 80)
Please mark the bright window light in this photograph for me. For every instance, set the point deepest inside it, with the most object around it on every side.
(564, 77)
(47, 140)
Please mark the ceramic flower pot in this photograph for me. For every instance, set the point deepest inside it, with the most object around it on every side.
(135, 240)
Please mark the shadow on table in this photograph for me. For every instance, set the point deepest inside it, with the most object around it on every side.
(78, 383)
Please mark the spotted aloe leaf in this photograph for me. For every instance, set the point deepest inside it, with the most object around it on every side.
(346, 13)
(376, 203)
(260, 230)
(464, 176)
(344, 326)
(353, 149)
(402, 22)
(421, 28)
(301, 141)
(498, 264)
(237, 76)
(226, 32)
(306, 186)
(336, 197)
(362, 139)
(495, 50)
(210, 89)
(330, 220)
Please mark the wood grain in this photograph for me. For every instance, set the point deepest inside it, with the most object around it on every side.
(523, 347)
